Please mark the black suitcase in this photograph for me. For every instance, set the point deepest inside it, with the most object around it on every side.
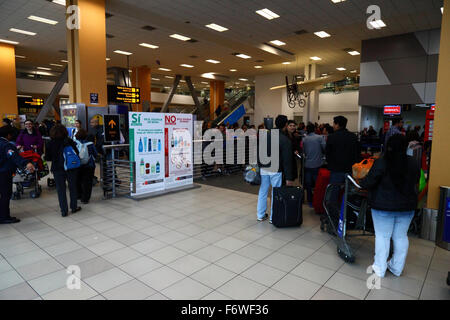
(287, 207)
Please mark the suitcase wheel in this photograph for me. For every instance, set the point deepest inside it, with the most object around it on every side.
(345, 257)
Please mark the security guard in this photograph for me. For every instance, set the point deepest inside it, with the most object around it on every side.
(9, 160)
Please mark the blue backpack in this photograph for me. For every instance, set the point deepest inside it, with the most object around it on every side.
(71, 159)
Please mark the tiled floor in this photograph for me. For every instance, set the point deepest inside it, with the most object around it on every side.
(199, 244)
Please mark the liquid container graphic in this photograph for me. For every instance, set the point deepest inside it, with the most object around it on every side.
(141, 147)
(158, 167)
(142, 166)
(159, 144)
(153, 168)
(145, 143)
(149, 145)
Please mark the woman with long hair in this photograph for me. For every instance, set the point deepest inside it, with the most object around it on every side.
(55, 153)
(30, 138)
(392, 184)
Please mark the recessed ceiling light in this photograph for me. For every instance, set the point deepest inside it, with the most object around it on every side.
(107, 59)
(322, 34)
(209, 75)
(216, 27)
(61, 2)
(155, 79)
(378, 24)
(43, 73)
(278, 42)
(341, 69)
(65, 61)
(258, 67)
(186, 65)
(354, 53)
(180, 37)
(21, 57)
(243, 56)
(23, 96)
(43, 68)
(243, 79)
(233, 70)
(123, 52)
(337, 1)
(169, 77)
(151, 46)
(183, 81)
(43, 20)
(9, 41)
(28, 33)
(204, 82)
(442, 10)
(212, 61)
(324, 74)
(164, 69)
(56, 65)
(287, 62)
(354, 71)
(266, 13)
(315, 58)
(30, 75)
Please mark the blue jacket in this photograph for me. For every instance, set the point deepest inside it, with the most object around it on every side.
(9, 157)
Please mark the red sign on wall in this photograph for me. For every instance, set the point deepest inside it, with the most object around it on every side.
(429, 125)
(392, 110)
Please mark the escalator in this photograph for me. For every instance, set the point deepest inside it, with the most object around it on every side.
(236, 109)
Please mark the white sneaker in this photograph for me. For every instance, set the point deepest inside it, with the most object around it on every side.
(264, 218)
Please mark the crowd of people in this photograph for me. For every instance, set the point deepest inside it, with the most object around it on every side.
(392, 181)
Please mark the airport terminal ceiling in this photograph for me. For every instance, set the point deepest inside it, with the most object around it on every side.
(128, 22)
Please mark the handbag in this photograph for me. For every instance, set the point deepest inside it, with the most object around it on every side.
(361, 170)
(252, 175)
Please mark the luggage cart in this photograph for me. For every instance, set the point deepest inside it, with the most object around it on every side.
(346, 207)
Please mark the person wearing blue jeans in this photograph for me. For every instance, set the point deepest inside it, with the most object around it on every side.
(392, 184)
(267, 180)
(389, 225)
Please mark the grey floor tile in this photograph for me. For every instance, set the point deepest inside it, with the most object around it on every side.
(4, 265)
(333, 262)
(210, 237)
(121, 256)
(18, 249)
(105, 247)
(171, 237)
(9, 279)
(312, 272)
(240, 288)
(107, 280)
(281, 261)
(161, 278)
(188, 264)
(211, 253)
(18, 292)
(270, 243)
(296, 251)
(28, 258)
(405, 285)
(186, 289)
(329, 294)
(133, 290)
(132, 238)
(140, 266)
(430, 292)
(84, 293)
(61, 248)
(296, 287)
(75, 257)
(216, 296)
(38, 269)
(190, 245)
(231, 244)
(272, 294)
(264, 274)
(254, 252)
(92, 267)
(235, 263)
(157, 296)
(148, 246)
(386, 294)
(167, 254)
(49, 282)
(213, 276)
(117, 231)
(98, 297)
(350, 286)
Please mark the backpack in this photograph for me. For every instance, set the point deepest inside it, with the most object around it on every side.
(71, 159)
(84, 152)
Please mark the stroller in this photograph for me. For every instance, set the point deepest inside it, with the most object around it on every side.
(346, 207)
(23, 179)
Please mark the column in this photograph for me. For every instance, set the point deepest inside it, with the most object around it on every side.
(217, 97)
(440, 154)
(86, 53)
(141, 78)
(8, 88)
(311, 109)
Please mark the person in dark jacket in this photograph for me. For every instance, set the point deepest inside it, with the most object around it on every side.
(272, 175)
(15, 131)
(55, 153)
(9, 161)
(30, 138)
(86, 171)
(392, 184)
(295, 141)
(342, 150)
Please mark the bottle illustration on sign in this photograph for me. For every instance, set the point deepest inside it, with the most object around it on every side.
(141, 147)
(153, 168)
(176, 142)
(158, 167)
(159, 144)
(149, 145)
(173, 143)
(154, 145)
(142, 167)
(182, 141)
(145, 144)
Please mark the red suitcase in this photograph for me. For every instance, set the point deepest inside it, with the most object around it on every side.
(323, 179)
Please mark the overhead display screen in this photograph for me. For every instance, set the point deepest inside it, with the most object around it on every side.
(392, 110)
(118, 94)
(29, 105)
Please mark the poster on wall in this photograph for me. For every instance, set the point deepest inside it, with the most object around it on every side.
(178, 150)
(147, 150)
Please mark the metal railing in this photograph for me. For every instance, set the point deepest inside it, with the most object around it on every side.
(118, 175)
